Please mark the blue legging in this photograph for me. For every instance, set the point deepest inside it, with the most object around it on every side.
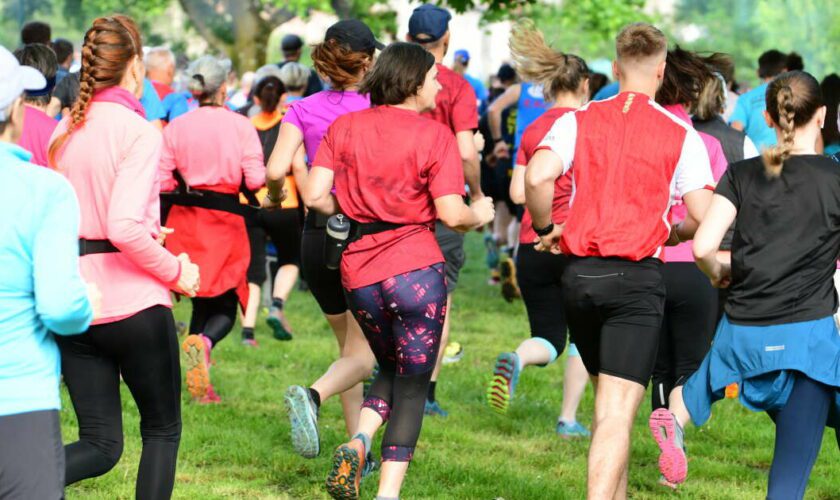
(799, 432)
(402, 319)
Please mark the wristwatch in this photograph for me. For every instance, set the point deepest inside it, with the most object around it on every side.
(544, 231)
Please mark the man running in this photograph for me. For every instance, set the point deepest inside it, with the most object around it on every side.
(630, 159)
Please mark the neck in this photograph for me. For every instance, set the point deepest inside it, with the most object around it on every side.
(804, 141)
(409, 104)
(567, 100)
(640, 85)
(42, 107)
(439, 53)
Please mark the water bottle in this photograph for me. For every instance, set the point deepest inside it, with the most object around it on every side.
(338, 234)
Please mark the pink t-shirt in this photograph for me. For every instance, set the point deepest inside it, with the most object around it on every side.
(112, 163)
(313, 115)
(682, 252)
(38, 127)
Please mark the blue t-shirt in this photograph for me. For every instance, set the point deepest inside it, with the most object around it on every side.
(607, 91)
(531, 106)
(177, 104)
(750, 112)
(41, 291)
(480, 92)
(151, 102)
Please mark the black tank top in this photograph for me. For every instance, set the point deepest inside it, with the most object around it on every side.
(730, 139)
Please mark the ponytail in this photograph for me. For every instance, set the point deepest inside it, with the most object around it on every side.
(269, 90)
(775, 156)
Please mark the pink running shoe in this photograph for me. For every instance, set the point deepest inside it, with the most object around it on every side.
(210, 398)
(668, 434)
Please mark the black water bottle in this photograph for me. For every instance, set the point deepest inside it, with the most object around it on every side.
(338, 234)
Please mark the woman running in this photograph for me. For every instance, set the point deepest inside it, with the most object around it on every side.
(393, 269)
(778, 338)
(295, 77)
(564, 78)
(212, 152)
(343, 59)
(109, 152)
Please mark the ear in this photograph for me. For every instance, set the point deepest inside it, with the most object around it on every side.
(616, 73)
(768, 120)
(660, 70)
(820, 115)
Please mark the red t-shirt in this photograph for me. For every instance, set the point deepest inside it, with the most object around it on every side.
(531, 139)
(455, 105)
(390, 164)
(631, 158)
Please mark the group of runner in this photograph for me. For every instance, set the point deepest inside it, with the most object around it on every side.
(149, 199)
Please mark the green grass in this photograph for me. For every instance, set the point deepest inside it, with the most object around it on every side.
(241, 448)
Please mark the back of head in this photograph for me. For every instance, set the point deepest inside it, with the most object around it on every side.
(345, 54)
(792, 100)
(207, 75)
(639, 47)
(269, 90)
(159, 59)
(428, 26)
(685, 76)
(794, 62)
(771, 63)
(597, 81)
(63, 50)
(295, 76)
(538, 63)
(830, 87)
(398, 74)
(110, 47)
(42, 58)
(712, 99)
(291, 45)
(36, 32)
(506, 74)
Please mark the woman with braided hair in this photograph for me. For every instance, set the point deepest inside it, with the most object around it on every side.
(778, 338)
(110, 153)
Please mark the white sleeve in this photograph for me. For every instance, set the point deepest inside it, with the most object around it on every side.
(750, 151)
(561, 139)
(694, 170)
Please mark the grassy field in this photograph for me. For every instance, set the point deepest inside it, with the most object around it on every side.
(241, 448)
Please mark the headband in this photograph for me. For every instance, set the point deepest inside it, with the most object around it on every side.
(47, 90)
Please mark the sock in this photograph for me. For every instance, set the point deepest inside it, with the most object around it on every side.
(365, 439)
(315, 397)
(247, 333)
(277, 303)
(431, 394)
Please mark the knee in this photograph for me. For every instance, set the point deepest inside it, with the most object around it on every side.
(168, 432)
(109, 451)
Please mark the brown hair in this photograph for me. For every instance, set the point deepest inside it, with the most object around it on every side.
(269, 90)
(398, 74)
(110, 45)
(792, 100)
(340, 64)
(685, 76)
(537, 62)
(639, 41)
(41, 57)
(712, 99)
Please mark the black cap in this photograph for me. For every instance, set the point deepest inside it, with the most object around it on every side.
(506, 73)
(355, 34)
(428, 23)
(291, 43)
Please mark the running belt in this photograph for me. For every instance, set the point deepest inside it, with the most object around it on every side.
(211, 200)
(89, 247)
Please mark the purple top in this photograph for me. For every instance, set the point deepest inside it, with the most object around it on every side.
(314, 114)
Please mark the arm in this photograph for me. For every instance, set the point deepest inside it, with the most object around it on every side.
(299, 169)
(494, 118)
(517, 185)
(61, 298)
(696, 204)
(317, 195)
(167, 164)
(542, 172)
(739, 117)
(279, 165)
(253, 165)
(718, 218)
(455, 214)
(694, 181)
(469, 159)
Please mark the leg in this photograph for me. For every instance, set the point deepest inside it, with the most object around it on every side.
(149, 364)
(221, 316)
(283, 227)
(256, 277)
(799, 432)
(574, 385)
(93, 381)
(31, 458)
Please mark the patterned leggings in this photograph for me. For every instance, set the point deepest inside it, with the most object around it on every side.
(402, 319)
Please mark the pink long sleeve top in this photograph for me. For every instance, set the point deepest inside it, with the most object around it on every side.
(112, 163)
(212, 148)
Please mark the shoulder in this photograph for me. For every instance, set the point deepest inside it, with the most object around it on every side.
(748, 167)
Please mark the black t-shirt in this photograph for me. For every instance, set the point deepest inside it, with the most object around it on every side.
(786, 242)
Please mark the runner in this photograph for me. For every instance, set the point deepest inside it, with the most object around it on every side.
(38, 127)
(343, 58)
(429, 27)
(294, 77)
(830, 87)
(109, 152)
(612, 287)
(778, 338)
(214, 152)
(393, 270)
(292, 47)
(749, 111)
(565, 80)
(43, 296)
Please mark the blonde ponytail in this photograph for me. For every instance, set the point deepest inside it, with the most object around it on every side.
(774, 157)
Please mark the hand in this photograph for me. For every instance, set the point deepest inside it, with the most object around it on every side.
(95, 298)
(164, 232)
(551, 241)
(478, 138)
(501, 150)
(721, 274)
(484, 210)
(189, 280)
(673, 237)
(272, 204)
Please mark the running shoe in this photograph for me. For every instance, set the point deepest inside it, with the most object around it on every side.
(510, 289)
(303, 416)
(279, 324)
(452, 353)
(369, 381)
(572, 430)
(211, 397)
(503, 384)
(731, 391)
(492, 247)
(197, 352)
(495, 277)
(433, 409)
(347, 470)
(666, 483)
(250, 343)
(669, 437)
(371, 466)
(181, 328)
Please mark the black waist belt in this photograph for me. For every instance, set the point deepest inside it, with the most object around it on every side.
(211, 200)
(88, 247)
(360, 229)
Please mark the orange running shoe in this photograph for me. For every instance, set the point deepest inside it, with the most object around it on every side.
(197, 351)
(346, 474)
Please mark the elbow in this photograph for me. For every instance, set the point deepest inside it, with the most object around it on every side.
(702, 250)
(274, 175)
(470, 156)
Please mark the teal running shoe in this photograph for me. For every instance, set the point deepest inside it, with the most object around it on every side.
(433, 409)
(572, 430)
(303, 417)
(503, 384)
(492, 247)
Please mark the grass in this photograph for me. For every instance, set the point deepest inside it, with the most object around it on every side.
(241, 448)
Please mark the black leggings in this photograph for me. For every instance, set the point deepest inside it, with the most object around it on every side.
(325, 284)
(540, 280)
(144, 350)
(214, 317)
(691, 309)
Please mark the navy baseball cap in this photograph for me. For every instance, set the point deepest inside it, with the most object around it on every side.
(428, 23)
(463, 55)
